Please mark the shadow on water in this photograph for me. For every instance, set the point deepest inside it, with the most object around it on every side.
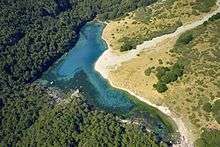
(75, 70)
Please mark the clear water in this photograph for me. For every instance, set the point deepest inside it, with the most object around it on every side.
(75, 70)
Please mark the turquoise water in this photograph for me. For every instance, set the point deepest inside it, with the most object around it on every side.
(75, 70)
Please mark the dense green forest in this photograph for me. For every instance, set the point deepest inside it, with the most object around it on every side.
(33, 35)
(74, 123)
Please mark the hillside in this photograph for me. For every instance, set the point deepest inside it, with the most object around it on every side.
(146, 23)
(180, 72)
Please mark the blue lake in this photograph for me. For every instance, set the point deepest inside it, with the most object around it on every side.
(75, 70)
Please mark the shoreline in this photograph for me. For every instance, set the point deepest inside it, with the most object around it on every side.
(104, 70)
(110, 61)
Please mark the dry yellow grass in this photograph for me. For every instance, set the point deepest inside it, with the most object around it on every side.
(181, 97)
(184, 97)
(163, 15)
(130, 75)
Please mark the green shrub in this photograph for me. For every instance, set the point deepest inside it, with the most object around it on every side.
(160, 61)
(167, 75)
(148, 71)
(178, 68)
(183, 42)
(126, 47)
(160, 87)
(217, 118)
(209, 138)
(161, 71)
(128, 43)
(215, 17)
(217, 83)
(207, 107)
(216, 110)
(143, 15)
(204, 6)
(170, 76)
(185, 39)
(216, 106)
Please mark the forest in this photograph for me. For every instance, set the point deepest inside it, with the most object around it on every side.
(33, 35)
(77, 124)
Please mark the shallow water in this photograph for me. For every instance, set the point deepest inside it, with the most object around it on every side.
(75, 70)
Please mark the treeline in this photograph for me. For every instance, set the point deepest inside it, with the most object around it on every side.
(77, 124)
(33, 35)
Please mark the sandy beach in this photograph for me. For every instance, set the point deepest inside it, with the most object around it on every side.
(110, 61)
(104, 69)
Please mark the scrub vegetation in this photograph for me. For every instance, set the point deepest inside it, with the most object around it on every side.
(166, 75)
(204, 5)
(189, 81)
(209, 138)
(198, 90)
(146, 23)
(194, 94)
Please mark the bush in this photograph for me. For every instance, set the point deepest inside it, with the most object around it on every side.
(170, 76)
(167, 75)
(204, 6)
(161, 71)
(148, 71)
(126, 47)
(160, 61)
(160, 87)
(209, 138)
(128, 43)
(215, 17)
(183, 42)
(216, 106)
(185, 39)
(178, 69)
(207, 107)
(216, 110)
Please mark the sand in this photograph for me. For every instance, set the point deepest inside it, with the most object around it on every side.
(110, 61)
(181, 126)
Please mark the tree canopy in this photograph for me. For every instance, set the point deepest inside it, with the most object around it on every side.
(33, 35)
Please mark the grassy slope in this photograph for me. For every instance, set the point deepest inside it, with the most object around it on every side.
(200, 83)
(149, 22)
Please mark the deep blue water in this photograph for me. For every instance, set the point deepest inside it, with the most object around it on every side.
(75, 70)
(82, 59)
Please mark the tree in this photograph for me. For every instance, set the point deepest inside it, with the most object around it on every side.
(161, 71)
(216, 110)
(207, 107)
(160, 87)
(33, 35)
